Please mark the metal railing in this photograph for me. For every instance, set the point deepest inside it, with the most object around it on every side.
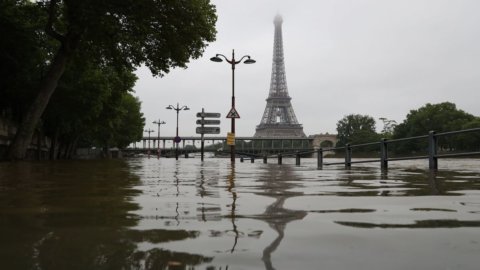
(384, 159)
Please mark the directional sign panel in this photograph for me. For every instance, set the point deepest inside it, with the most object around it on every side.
(208, 122)
(208, 115)
(208, 130)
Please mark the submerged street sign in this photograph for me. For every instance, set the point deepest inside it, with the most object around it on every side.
(208, 115)
(208, 130)
(208, 122)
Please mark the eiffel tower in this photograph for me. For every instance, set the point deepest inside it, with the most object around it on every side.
(279, 120)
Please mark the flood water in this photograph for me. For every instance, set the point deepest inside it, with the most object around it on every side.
(166, 214)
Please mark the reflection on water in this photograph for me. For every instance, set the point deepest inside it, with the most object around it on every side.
(77, 215)
(187, 214)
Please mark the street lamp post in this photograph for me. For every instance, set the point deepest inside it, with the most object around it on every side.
(149, 131)
(158, 123)
(177, 139)
(232, 62)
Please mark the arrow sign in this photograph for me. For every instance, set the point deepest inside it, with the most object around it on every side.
(233, 113)
(208, 130)
(208, 122)
(208, 115)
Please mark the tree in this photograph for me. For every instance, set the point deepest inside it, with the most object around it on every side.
(92, 106)
(388, 127)
(469, 141)
(356, 129)
(439, 117)
(22, 55)
(160, 34)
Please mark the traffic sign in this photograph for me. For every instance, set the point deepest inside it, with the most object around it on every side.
(208, 115)
(177, 139)
(230, 138)
(208, 122)
(233, 113)
(208, 130)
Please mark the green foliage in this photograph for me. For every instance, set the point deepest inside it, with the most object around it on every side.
(388, 127)
(95, 45)
(23, 54)
(469, 141)
(94, 103)
(439, 117)
(158, 33)
(356, 129)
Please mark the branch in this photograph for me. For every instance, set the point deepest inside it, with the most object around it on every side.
(49, 27)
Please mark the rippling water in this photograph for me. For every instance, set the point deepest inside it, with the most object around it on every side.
(167, 214)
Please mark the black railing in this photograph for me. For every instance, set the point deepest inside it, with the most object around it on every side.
(432, 156)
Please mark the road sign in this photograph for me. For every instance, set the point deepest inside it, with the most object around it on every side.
(208, 130)
(208, 115)
(177, 139)
(233, 113)
(208, 122)
(230, 138)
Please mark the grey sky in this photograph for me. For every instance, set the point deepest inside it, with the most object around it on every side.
(376, 57)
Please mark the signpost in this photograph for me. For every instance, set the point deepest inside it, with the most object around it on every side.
(233, 113)
(208, 130)
(208, 122)
(208, 114)
(202, 129)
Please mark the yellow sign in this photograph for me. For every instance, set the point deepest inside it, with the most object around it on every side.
(230, 138)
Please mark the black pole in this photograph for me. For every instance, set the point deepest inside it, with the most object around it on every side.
(176, 148)
(202, 142)
(232, 147)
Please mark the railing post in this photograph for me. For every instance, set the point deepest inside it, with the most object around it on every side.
(384, 154)
(432, 151)
(348, 156)
(265, 159)
(279, 159)
(319, 158)
(297, 158)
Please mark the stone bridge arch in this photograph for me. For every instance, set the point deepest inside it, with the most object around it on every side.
(324, 140)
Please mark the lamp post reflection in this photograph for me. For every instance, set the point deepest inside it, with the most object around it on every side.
(231, 189)
(148, 131)
(159, 123)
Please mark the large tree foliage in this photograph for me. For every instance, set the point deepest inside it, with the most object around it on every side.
(356, 129)
(93, 106)
(23, 55)
(123, 34)
(439, 117)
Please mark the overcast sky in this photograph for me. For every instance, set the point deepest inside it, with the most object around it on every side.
(376, 57)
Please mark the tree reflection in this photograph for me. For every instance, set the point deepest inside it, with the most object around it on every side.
(77, 215)
(231, 189)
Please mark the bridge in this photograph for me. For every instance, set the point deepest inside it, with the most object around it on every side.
(245, 145)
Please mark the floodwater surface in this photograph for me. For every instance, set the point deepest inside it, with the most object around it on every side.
(167, 214)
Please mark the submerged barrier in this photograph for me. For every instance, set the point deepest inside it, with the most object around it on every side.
(384, 159)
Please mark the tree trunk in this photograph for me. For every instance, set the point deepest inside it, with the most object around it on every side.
(73, 148)
(54, 145)
(48, 85)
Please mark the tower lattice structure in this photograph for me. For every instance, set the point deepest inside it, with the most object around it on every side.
(279, 119)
